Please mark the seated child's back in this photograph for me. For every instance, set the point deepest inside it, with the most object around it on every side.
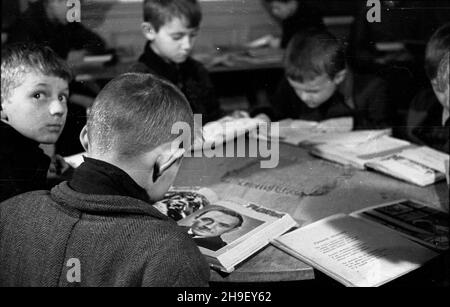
(100, 229)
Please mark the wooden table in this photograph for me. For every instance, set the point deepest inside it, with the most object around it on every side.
(309, 189)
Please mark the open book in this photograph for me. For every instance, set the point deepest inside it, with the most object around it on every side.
(419, 165)
(226, 231)
(226, 129)
(362, 252)
(297, 132)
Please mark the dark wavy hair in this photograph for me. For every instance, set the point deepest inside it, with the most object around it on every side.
(437, 46)
(312, 53)
(160, 12)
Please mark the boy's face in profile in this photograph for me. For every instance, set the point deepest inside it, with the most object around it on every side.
(317, 91)
(174, 41)
(37, 108)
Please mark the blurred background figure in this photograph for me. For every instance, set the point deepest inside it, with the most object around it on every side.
(294, 16)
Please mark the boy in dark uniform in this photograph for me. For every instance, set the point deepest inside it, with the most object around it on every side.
(33, 112)
(171, 27)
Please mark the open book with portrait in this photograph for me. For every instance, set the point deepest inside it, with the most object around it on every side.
(373, 246)
(420, 165)
(226, 231)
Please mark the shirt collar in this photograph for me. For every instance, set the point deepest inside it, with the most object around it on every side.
(15, 141)
(101, 178)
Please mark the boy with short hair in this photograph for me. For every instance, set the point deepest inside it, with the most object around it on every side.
(103, 218)
(319, 85)
(45, 22)
(33, 112)
(171, 27)
(428, 114)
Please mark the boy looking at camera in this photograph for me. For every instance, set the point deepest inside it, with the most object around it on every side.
(33, 112)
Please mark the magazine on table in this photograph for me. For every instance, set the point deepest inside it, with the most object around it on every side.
(226, 231)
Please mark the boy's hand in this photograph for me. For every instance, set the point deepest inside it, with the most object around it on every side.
(263, 117)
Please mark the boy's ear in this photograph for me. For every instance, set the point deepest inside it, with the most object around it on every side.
(148, 30)
(340, 76)
(84, 139)
(165, 161)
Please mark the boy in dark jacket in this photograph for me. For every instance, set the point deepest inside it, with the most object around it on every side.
(33, 112)
(100, 229)
(428, 114)
(45, 22)
(319, 85)
(171, 27)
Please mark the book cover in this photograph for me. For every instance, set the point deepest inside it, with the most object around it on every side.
(226, 231)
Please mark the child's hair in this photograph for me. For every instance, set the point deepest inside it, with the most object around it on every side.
(312, 53)
(443, 73)
(135, 113)
(160, 12)
(438, 45)
(22, 58)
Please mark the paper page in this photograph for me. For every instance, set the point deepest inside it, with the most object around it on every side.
(412, 219)
(403, 168)
(358, 154)
(299, 131)
(428, 157)
(355, 252)
(353, 137)
(226, 129)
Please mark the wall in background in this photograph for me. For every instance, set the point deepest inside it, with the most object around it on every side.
(225, 22)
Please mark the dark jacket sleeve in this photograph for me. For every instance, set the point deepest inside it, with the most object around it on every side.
(423, 124)
(199, 89)
(83, 38)
(374, 107)
(280, 105)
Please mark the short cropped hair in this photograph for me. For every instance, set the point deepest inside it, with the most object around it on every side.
(135, 113)
(21, 58)
(312, 53)
(437, 46)
(227, 212)
(160, 12)
(443, 73)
